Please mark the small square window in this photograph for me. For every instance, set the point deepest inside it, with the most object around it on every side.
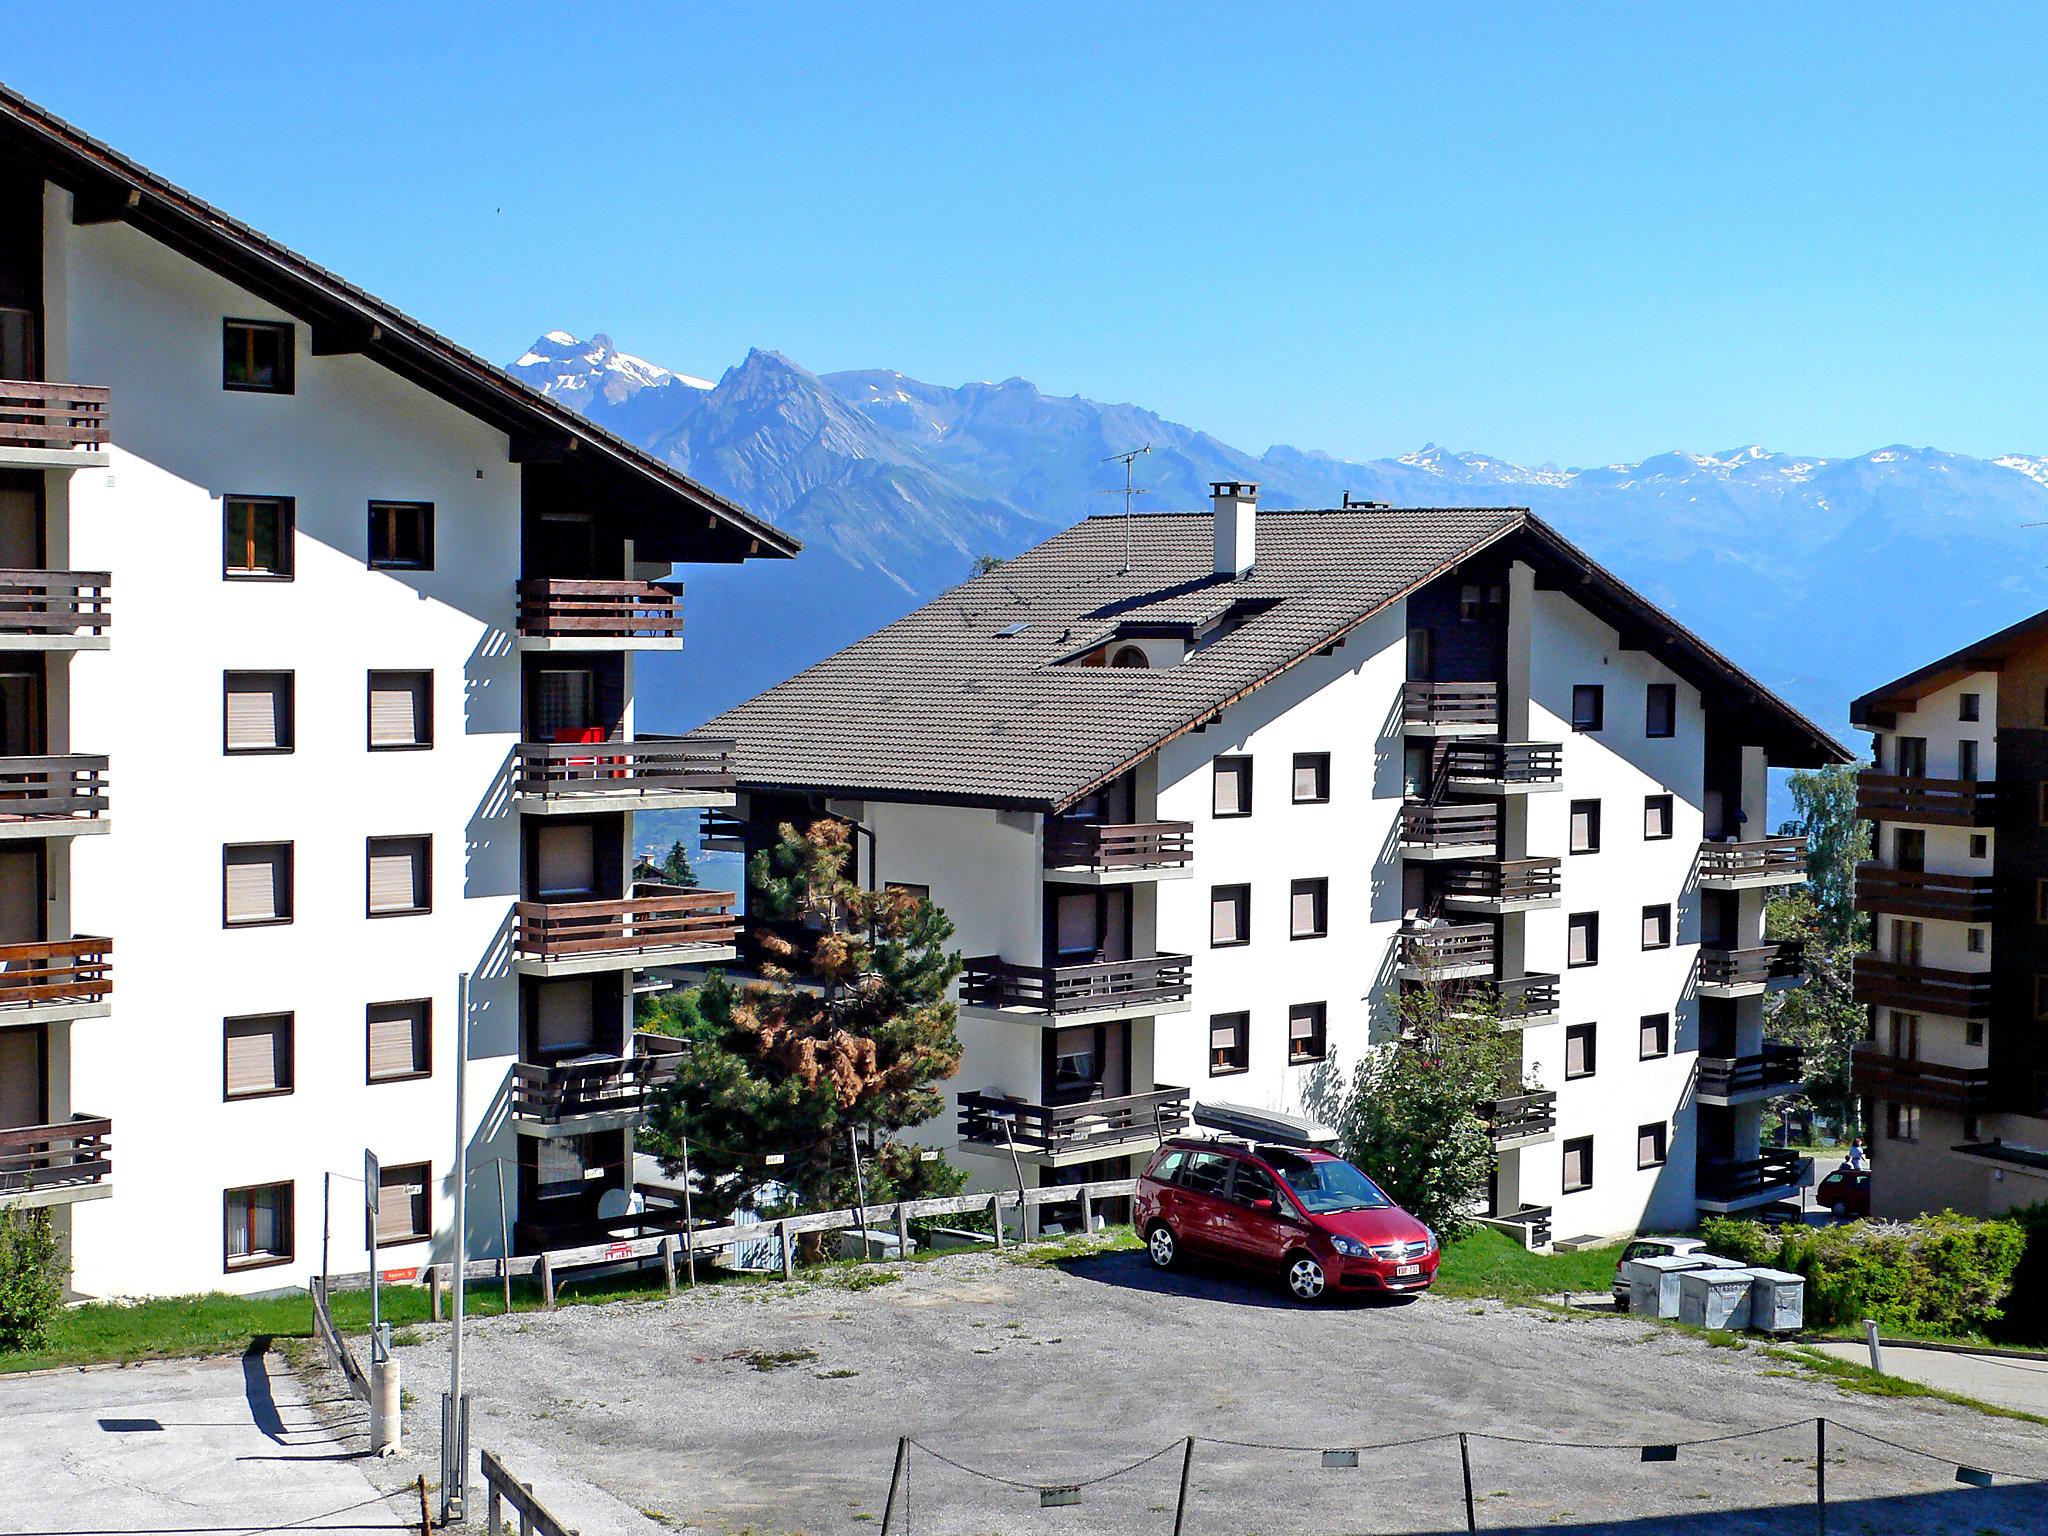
(1229, 1043)
(257, 1056)
(1655, 1037)
(259, 1226)
(1585, 826)
(1311, 778)
(1582, 939)
(404, 1203)
(1307, 1032)
(1980, 845)
(1975, 941)
(1657, 927)
(1902, 1122)
(1973, 1032)
(1581, 1050)
(257, 357)
(1578, 1164)
(1233, 787)
(256, 537)
(401, 1040)
(1650, 1145)
(1969, 706)
(1471, 603)
(1656, 818)
(401, 711)
(1309, 909)
(256, 884)
(400, 875)
(1589, 706)
(1230, 915)
(1660, 710)
(256, 711)
(402, 535)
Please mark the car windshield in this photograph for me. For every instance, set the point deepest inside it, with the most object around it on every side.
(1327, 1185)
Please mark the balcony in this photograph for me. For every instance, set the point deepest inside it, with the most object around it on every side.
(1925, 802)
(1436, 952)
(595, 1093)
(1105, 853)
(1436, 832)
(1522, 1119)
(52, 796)
(1520, 1002)
(1450, 709)
(1915, 893)
(1726, 1184)
(648, 773)
(556, 614)
(1929, 1084)
(1766, 861)
(1501, 885)
(53, 979)
(656, 925)
(55, 610)
(1073, 994)
(59, 1164)
(52, 426)
(1747, 972)
(1499, 767)
(1771, 1073)
(1057, 1134)
(1922, 988)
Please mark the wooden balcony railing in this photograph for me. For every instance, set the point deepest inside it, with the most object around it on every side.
(68, 1155)
(1776, 1069)
(1052, 1128)
(1514, 1001)
(990, 981)
(1464, 827)
(1474, 704)
(608, 769)
(55, 602)
(1520, 1116)
(1915, 893)
(549, 1095)
(1726, 1179)
(1765, 861)
(1104, 846)
(51, 972)
(654, 917)
(35, 415)
(1477, 762)
(1930, 1084)
(553, 607)
(1778, 961)
(72, 788)
(1447, 947)
(1502, 880)
(1923, 988)
(1928, 802)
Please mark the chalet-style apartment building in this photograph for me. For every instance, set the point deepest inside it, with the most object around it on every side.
(365, 723)
(1200, 813)
(1954, 1074)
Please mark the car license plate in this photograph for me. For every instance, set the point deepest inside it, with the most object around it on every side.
(1407, 1269)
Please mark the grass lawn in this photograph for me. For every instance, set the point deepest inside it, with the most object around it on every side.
(1490, 1263)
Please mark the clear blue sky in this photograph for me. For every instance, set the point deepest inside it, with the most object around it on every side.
(1571, 233)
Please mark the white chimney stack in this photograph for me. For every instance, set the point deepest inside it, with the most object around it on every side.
(1237, 519)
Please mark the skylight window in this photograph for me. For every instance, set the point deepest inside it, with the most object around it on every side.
(1010, 630)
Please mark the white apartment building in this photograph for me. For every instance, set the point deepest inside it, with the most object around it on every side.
(365, 724)
(1201, 813)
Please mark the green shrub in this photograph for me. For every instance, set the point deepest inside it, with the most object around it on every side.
(1937, 1275)
(31, 1280)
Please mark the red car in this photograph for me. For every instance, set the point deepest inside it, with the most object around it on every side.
(1846, 1192)
(1312, 1217)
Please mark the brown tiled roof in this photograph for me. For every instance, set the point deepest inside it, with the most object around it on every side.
(944, 705)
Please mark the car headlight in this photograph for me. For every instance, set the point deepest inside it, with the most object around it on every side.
(1350, 1247)
(1430, 1233)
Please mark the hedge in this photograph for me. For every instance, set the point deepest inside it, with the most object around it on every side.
(1937, 1275)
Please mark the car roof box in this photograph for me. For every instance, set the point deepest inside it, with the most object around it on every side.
(1264, 1125)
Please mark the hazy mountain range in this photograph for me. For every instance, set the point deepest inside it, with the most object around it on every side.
(1822, 576)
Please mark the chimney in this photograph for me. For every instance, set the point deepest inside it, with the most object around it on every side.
(1237, 515)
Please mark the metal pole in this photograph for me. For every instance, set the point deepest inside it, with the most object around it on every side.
(1187, 1464)
(371, 1200)
(860, 1194)
(326, 1204)
(504, 1235)
(895, 1482)
(454, 1470)
(689, 1219)
(1820, 1475)
(1017, 1167)
(1465, 1461)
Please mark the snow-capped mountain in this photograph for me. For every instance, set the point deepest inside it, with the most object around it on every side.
(1799, 567)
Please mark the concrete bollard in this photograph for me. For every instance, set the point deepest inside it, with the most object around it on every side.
(384, 1401)
(1876, 1354)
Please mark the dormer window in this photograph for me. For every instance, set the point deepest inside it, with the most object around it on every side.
(1130, 656)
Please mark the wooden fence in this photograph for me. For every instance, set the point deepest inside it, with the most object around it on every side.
(502, 1489)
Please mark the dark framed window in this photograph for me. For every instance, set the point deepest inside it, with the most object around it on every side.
(259, 1226)
(1902, 1122)
(1660, 710)
(1657, 818)
(256, 712)
(1581, 1050)
(400, 875)
(1585, 826)
(1230, 1044)
(1589, 706)
(1308, 909)
(404, 1203)
(1980, 845)
(1307, 1032)
(1654, 1039)
(256, 1056)
(1657, 927)
(257, 357)
(1966, 761)
(401, 1040)
(1969, 706)
(1233, 788)
(1578, 1164)
(402, 535)
(256, 537)
(1650, 1145)
(1230, 915)
(401, 711)
(1311, 778)
(1582, 939)
(256, 884)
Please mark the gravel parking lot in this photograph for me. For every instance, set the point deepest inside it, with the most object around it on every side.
(776, 1409)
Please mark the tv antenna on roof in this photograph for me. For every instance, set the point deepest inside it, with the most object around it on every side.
(1128, 492)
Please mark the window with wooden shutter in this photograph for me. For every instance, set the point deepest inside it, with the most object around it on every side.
(401, 1040)
(256, 537)
(1233, 788)
(1656, 817)
(401, 710)
(1229, 1043)
(1311, 778)
(399, 875)
(1585, 826)
(403, 1203)
(567, 860)
(1582, 941)
(257, 707)
(1655, 1037)
(1657, 927)
(564, 1015)
(259, 1226)
(1578, 1164)
(1309, 909)
(1580, 1059)
(256, 883)
(1650, 1145)
(1230, 914)
(258, 1055)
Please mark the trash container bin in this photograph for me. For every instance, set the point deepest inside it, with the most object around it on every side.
(1653, 1282)
(1715, 1298)
(1777, 1301)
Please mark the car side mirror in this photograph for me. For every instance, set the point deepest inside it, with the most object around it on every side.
(1264, 1207)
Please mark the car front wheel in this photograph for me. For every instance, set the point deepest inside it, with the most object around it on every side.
(1305, 1277)
(1162, 1246)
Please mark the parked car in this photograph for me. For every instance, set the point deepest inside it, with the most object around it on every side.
(1310, 1217)
(1649, 1248)
(1846, 1192)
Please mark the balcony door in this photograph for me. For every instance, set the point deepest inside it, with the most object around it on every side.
(1089, 926)
(565, 545)
(1912, 757)
(21, 523)
(21, 894)
(1717, 1026)
(21, 710)
(1905, 1035)
(565, 704)
(564, 862)
(1909, 850)
(1905, 942)
(561, 1020)
(23, 1083)
(1115, 804)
